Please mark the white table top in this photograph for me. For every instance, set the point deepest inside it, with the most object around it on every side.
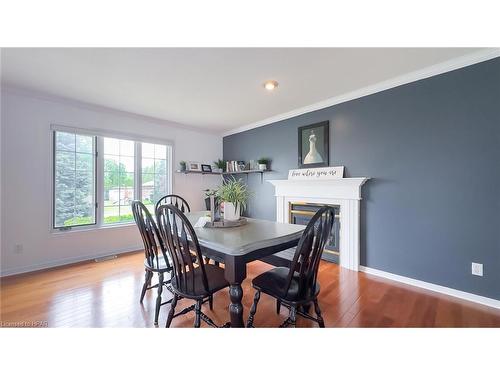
(256, 234)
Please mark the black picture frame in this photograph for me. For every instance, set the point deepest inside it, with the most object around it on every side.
(322, 132)
(206, 168)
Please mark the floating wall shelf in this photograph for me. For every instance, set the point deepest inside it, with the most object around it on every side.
(247, 172)
(197, 172)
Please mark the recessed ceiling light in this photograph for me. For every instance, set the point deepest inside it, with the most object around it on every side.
(270, 85)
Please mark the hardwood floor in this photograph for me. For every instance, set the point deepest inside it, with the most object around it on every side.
(107, 295)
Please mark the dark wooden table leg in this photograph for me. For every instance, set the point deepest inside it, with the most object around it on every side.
(235, 307)
(235, 272)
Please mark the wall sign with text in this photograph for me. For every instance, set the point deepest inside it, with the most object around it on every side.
(327, 173)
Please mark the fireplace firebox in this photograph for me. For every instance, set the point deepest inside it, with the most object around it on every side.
(302, 212)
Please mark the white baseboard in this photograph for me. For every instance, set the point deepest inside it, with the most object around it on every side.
(434, 287)
(65, 261)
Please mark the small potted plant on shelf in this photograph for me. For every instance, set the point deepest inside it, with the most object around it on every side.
(234, 195)
(220, 166)
(263, 163)
(182, 165)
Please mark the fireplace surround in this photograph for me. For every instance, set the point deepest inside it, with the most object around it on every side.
(342, 192)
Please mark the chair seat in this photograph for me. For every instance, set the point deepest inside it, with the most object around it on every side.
(274, 282)
(193, 287)
(161, 266)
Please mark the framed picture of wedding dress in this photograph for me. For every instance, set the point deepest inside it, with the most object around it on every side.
(314, 145)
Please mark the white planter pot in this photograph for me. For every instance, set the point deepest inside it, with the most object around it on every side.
(262, 167)
(230, 213)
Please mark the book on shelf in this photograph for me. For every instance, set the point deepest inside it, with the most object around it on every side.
(237, 166)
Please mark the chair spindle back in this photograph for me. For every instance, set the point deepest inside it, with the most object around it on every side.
(150, 235)
(175, 200)
(182, 244)
(305, 263)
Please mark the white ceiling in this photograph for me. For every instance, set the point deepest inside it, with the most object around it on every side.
(217, 89)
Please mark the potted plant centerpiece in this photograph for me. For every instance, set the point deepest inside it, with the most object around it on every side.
(234, 195)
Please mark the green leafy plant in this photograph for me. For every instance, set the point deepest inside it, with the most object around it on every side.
(183, 165)
(221, 164)
(264, 161)
(235, 192)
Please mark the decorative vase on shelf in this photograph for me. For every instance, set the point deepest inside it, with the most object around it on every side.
(231, 213)
(262, 167)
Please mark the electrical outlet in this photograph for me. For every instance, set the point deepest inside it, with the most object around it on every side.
(477, 269)
(18, 248)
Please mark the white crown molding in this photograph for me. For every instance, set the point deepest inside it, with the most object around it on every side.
(433, 287)
(430, 71)
(23, 91)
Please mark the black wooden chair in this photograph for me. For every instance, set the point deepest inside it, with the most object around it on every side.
(296, 287)
(175, 200)
(190, 279)
(156, 258)
(181, 204)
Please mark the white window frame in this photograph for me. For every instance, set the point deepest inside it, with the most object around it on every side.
(100, 134)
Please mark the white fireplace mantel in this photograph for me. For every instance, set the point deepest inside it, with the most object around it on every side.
(345, 192)
(341, 188)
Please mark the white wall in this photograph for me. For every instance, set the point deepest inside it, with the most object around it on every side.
(1, 169)
(26, 178)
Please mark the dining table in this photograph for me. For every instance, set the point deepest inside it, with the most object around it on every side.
(235, 247)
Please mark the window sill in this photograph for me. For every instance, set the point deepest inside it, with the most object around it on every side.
(91, 229)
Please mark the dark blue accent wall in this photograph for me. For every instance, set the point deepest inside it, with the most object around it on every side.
(432, 149)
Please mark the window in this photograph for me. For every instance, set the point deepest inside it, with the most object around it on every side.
(97, 177)
(74, 180)
(119, 166)
(154, 176)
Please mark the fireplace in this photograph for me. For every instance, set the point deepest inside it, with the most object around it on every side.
(302, 212)
(342, 193)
